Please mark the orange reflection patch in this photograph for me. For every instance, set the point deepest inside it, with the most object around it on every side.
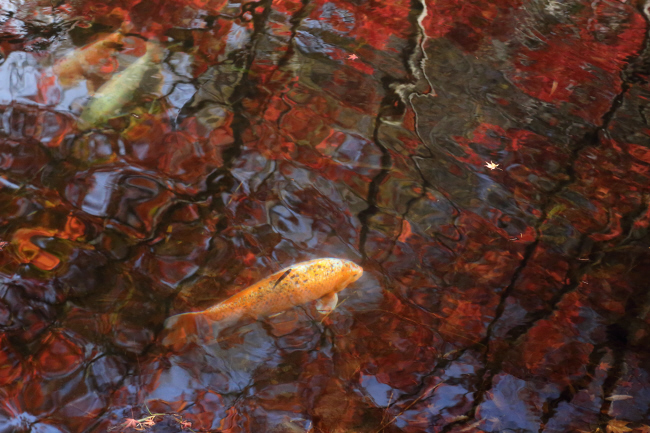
(28, 252)
(74, 228)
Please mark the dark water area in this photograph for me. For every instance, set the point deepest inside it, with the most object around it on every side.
(487, 163)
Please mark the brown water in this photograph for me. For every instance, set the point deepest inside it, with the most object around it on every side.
(486, 162)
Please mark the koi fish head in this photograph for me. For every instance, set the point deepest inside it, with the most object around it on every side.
(349, 273)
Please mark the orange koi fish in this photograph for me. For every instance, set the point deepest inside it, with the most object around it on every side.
(98, 58)
(319, 279)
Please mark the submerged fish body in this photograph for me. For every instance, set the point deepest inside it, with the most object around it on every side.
(118, 91)
(319, 279)
(88, 60)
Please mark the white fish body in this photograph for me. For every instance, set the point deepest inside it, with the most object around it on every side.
(118, 91)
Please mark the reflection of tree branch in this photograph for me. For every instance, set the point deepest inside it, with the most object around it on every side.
(426, 185)
(515, 334)
(421, 397)
(630, 220)
(373, 190)
(295, 20)
(491, 368)
(573, 388)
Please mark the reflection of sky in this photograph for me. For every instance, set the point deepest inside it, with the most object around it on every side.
(635, 385)
(218, 360)
(379, 392)
(505, 407)
(18, 78)
(7, 6)
(238, 37)
(448, 397)
(458, 369)
(452, 394)
(69, 96)
(98, 197)
(180, 95)
(173, 385)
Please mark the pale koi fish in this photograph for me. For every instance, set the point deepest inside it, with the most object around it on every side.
(111, 98)
(319, 279)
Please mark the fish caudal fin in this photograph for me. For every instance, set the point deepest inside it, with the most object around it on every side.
(183, 329)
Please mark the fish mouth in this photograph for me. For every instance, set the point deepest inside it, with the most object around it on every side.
(356, 272)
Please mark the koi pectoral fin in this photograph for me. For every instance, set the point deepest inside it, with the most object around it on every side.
(327, 303)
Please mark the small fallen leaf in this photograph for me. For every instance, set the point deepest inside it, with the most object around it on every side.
(604, 366)
(130, 422)
(618, 426)
(491, 165)
(353, 57)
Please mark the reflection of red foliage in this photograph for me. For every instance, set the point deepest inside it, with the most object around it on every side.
(371, 23)
(550, 352)
(234, 422)
(575, 62)
(58, 356)
(379, 20)
(462, 318)
(151, 17)
(639, 152)
(210, 44)
(10, 365)
(440, 255)
(581, 69)
(467, 23)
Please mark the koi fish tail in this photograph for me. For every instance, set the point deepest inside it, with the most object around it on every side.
(182, 329)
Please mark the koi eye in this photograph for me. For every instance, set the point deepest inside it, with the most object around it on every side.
(355, 271)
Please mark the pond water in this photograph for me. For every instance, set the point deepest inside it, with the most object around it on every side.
(487, 163)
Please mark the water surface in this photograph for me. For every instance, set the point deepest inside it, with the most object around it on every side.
(486, 162)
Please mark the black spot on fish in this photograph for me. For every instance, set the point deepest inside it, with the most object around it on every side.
(282, 277)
